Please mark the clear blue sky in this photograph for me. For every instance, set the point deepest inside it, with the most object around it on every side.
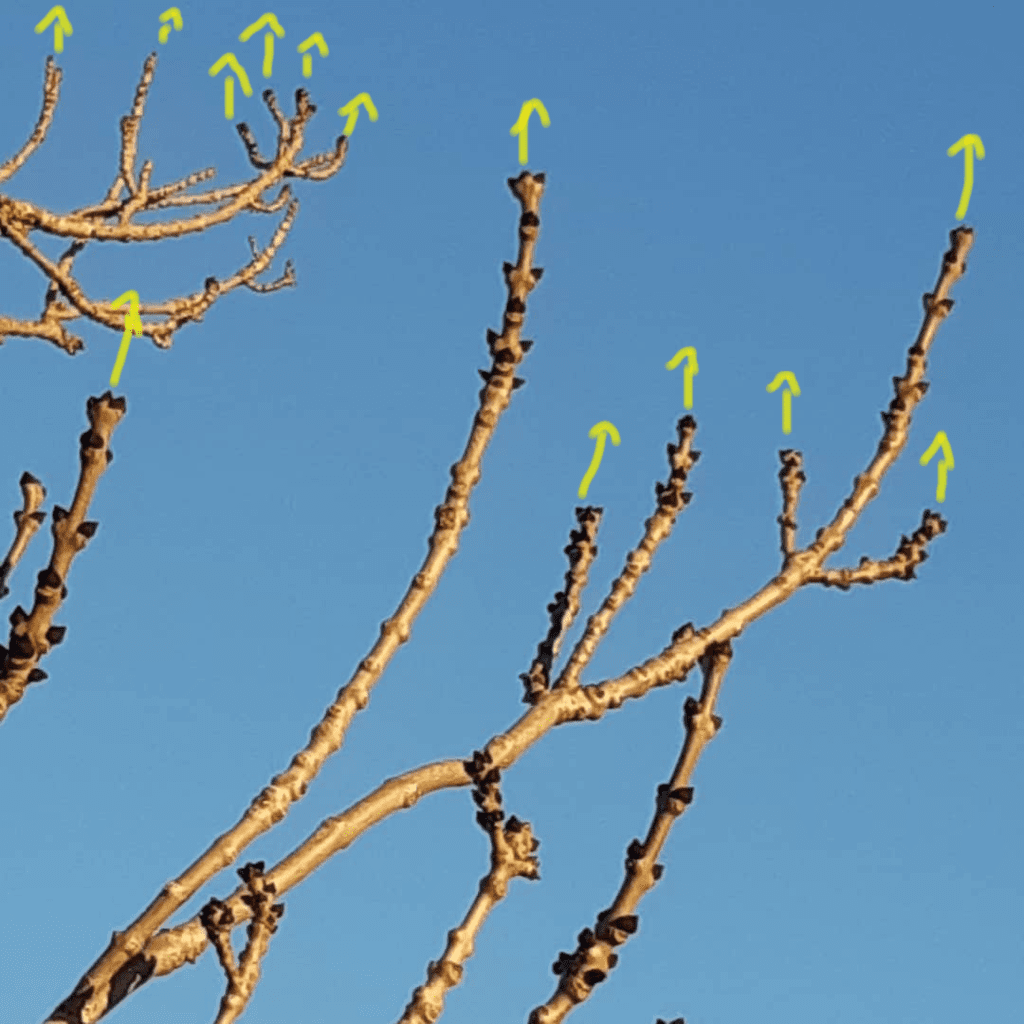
(767, 183)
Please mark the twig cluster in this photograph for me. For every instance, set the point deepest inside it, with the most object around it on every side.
(132, 193)
(218, 922)
(141, 951)
(145, 948)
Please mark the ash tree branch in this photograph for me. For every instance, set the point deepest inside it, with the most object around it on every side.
(33, 634)
(582, 552)
(218, 921)
(792, 478)
(28, 521)
(672, 499)
(96, 991)
(51, 94)
(910, 554)
(67, 300)
(171, 948)
(512, 855)
(139, 953)
(595, 956)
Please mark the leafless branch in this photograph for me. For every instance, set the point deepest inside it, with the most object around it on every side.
(217, 920)
(101, 987)
(32, 633)
(595, 956)
(28, 520)
(512, 855)
(114, 219)
(563, 611)
(139, 953)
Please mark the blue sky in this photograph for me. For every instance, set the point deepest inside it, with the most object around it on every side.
(767, 183)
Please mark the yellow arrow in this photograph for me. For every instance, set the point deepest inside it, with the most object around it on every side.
(268, 40)
(131, 323)
(318, 41)
(690, 355)
(971, 145)
(785, 376)
(944, 464)
(522, 125)
(56, 13)
(352, 110)
(171, 14)
(228, 60)
(600, 431)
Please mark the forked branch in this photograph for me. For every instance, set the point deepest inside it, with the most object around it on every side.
(242, 978)
(512, 856)
(113, 219)
(139, 953)
(101, 987)
(33, 634)
(595, 956)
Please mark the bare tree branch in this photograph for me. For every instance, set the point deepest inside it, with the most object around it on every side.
(67, 300)
(792, 478)
(33, 634)
(563, 611)
(217, 920)
(512, 855)
(98, 990)
(595, 956)
(911, 553)
(28, 520)
(140, 953)
(51, 93)
(672, 499)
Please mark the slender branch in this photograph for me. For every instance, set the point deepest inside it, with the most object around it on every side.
(218, 921)
(672, 499)
(159, 198)
(910, 389)
(32, 217)
(512, 849)
(130, 125)
(186, 309)
(792, 478)
(563, 610)
(33, 634)
(51, 93)
(595, 954)
(28, 520)
(901, 566)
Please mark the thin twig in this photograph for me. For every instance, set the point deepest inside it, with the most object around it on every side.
(28, 521)
(595, 956)
(33, 634)
(512, 856)
(563, 610)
